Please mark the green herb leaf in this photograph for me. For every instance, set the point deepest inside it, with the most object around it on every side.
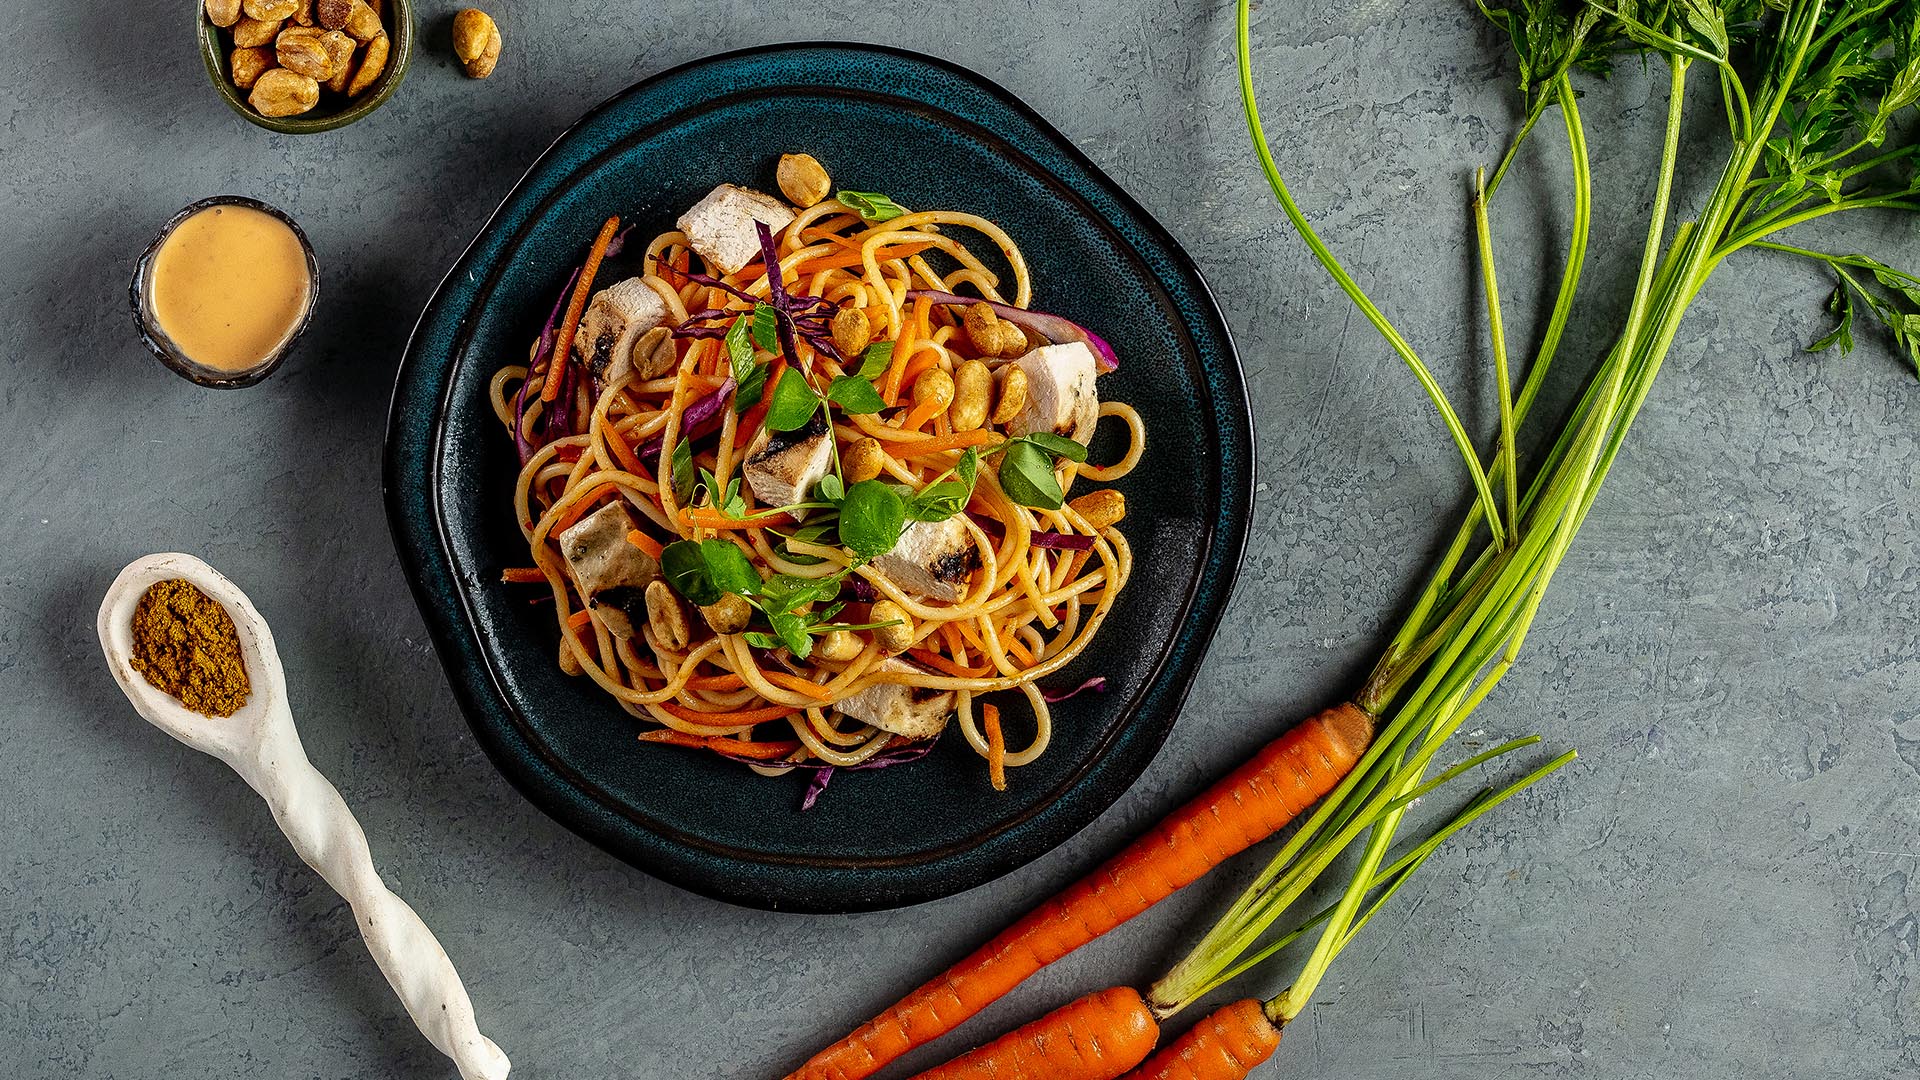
(939, 501)
(968, 467)
(681, 473)
(871, 517)
(875, 360)
(784, 592)
(1057, 445)
(766, 331)
(830, 488)
(815, 533)
(1026, 475)
(792, 632)
(793, 402)
(1841, 305)
(856, 395)
(871, 205)
(761, 641)
(749, 378)
(728, 568)
(685, 568)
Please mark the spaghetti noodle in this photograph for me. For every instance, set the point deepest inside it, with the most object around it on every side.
(801, 537)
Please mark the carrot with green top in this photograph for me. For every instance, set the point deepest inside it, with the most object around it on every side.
(1098, 1037)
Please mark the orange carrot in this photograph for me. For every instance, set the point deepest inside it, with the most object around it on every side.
(645, 543)
(1097, 1037)
(940, 663)
(922, 413)
(740, 718)
(799, 685)
(624, 453)
(706, 517)
(523, 575)
(906, 448)
(854, 258)
(759, 751)
(579, 619)
(1226, 1045)
(996, 746)
(579, 509)
(576, 307)
(1244, 807)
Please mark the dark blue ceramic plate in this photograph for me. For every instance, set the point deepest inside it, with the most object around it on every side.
(929, 134)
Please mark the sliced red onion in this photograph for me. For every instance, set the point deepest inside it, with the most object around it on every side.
(1097, 684)
(699, 418)
(1054, 328)
(1070, 541)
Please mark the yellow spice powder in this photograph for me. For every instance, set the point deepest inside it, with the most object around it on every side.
(185, 644)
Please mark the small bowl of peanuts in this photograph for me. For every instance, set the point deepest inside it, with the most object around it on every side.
(301, 66)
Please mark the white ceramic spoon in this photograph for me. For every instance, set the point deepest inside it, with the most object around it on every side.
(260, 743)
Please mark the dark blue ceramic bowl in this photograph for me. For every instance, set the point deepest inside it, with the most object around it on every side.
(930, 135)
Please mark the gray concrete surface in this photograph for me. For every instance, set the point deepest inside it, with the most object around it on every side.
(1722, 887)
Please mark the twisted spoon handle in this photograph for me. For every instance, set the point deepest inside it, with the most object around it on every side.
(324, 833)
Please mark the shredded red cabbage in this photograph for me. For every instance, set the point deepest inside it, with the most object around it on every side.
(700, 418)
(1048, 538)
(796, 315)
(1097, 684)
(823, 774)
(1054, 328)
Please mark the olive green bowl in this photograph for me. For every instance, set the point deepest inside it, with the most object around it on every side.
(216, 48)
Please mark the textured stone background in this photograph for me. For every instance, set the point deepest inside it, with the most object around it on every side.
(1722, 887)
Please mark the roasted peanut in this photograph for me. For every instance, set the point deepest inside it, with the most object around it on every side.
(991, 334)
(303, 15)
(838, 646)
(476, 41)
(852, 333)
(972, 391)
(727, 615)
(340, 49)
(935, 387)
(802, 180)
(861, 460)
(1101, 508)
(280, 92)
(363, 23)
(654, 354)
(897, 638)
(667, 617)
(373, 63)
(300, 50)
(332, 14)
(246, 65)
(1013, 394)
(251, 33)
(223, 12)
(269, 10)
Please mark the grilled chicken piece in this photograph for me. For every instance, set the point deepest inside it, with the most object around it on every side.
(614, 320)
(720, 226)
(913, 712)
(933, 559)
(782, 466)
(612, 573)
(1061, 399)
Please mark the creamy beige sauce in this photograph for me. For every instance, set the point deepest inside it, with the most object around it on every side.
(228, 286)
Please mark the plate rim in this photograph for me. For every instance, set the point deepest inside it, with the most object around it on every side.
(1203, 606)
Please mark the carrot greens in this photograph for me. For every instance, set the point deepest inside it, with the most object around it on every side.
(1817, 98)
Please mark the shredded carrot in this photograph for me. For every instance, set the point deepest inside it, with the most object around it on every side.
(996, 746)
(941, 663)
(739, 718)
(579, 619)
(902, 352)
(645, 543)
(902, 448)
(799, 685)
(706, 517)
(623, 453)
(922, 413)
(749, 426)
(854, 258)
(579, 510)
(950, 633)
(1018, 650)
(576, 307)
(523, 575)
(759, 751)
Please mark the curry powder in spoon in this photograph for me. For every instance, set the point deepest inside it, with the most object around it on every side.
(185, 644)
